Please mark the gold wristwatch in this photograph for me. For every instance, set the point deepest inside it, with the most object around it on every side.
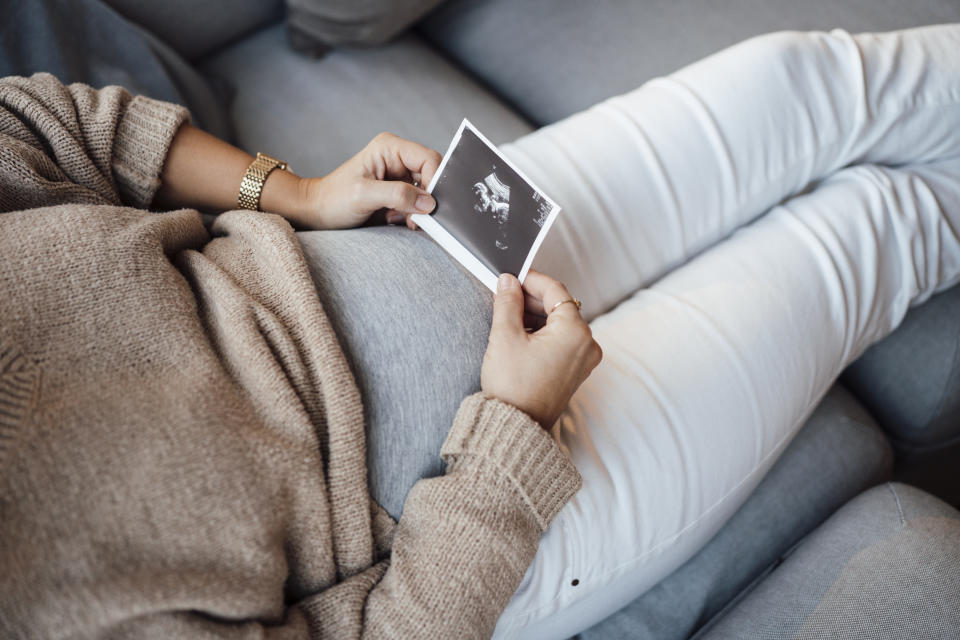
(252, 184)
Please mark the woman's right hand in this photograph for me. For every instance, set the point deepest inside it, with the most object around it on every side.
(537, 372)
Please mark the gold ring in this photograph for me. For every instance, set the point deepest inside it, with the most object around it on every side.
(573, 300)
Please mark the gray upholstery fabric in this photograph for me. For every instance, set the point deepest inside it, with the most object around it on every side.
(351, 22)
(195, 29)
(414, 326)
(887, 565)
(933, 471)
(911, 379)
(839, 453)
(86, 41)
(316, 113)
(551, 58)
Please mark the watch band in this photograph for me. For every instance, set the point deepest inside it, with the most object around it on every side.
(252, 184)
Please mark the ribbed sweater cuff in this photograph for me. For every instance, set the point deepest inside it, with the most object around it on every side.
(144, 134)
(505, 436)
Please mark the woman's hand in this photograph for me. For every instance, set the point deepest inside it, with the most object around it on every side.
(204, 172)
(537, 372)
(379, 177)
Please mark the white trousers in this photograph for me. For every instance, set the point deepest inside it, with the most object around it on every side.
(739, 232)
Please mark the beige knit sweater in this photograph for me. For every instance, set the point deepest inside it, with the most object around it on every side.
(181, 441)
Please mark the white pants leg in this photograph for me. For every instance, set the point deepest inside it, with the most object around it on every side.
(711, 370)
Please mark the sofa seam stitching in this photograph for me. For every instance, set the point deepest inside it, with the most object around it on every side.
(896, 497)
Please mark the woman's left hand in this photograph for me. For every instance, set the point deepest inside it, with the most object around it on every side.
(382, 176)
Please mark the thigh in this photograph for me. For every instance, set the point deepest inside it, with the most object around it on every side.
(708, 373)
(651, 178)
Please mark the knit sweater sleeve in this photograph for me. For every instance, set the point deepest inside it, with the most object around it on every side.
(465, 538)
(78, 145)
(459, 552)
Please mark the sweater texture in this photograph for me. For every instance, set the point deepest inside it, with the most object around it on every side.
(181, 440)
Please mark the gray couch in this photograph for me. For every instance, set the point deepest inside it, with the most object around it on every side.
(512, 66)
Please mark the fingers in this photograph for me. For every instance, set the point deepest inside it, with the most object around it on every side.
(534, 305)
(508, 307)
(404, 158)
(549, 292)
(597, 353)
(564, 320)
(533, 322)
(400, 196)
(398, 217)
(392, 160)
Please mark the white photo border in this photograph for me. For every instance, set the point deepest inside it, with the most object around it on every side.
(453, 246)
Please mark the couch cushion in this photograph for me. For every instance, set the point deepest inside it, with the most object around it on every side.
(887, 565)
(551, 58)
(911, 379)
(332, 23)
(839, 453)
(317, 112)
(87, 41)
(195, 29)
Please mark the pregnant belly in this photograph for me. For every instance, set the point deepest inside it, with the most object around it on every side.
(413, 325)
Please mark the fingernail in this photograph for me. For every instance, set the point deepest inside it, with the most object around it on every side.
(503, 282)
(395, 218)
(425, 203)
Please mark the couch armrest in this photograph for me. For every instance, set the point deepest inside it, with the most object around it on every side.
(886, 565)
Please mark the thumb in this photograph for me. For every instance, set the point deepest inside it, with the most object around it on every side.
(394, 194)
(508, 306)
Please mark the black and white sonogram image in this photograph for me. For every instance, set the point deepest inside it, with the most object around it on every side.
(487, 206)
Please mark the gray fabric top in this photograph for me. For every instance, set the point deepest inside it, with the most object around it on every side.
(414, 327)
(839, 453)
(887, 565)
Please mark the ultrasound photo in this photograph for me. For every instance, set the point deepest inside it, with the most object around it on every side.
(488, 207)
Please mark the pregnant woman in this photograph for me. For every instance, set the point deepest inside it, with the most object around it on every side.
(184, 451)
